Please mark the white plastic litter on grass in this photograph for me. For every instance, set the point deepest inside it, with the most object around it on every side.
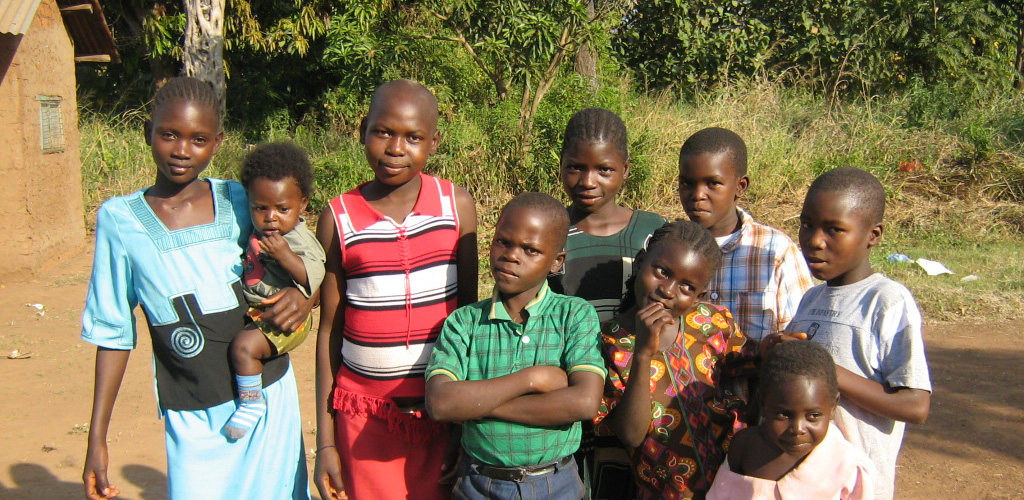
(933, 268)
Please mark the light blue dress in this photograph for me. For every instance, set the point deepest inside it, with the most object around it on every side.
(188, 283)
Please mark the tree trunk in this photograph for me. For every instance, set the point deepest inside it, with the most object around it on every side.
(586, 65)
(1018, 63)
(204, 43)
(586, 58)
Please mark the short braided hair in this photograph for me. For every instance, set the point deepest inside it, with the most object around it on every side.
(798, 358)
(597, 125)
(716, 140)
(277, 161)
(188, 89)
(860, 186)
(689, 233)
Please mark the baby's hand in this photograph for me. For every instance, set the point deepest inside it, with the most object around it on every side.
(654, 323)
(275, 246)
(545, 378)
(773, 340)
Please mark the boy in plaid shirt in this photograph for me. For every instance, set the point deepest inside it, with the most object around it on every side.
(521, 369)
(763, 275)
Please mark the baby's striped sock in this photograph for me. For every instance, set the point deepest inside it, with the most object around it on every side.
(251, 409)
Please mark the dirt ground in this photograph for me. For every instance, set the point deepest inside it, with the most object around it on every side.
(971, 447)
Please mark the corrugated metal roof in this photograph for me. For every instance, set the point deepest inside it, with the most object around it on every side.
(89, 30)
(16, 15)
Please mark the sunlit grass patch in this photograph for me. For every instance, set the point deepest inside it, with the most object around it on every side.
(996, 293)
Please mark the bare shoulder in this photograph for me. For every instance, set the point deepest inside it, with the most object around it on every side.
(741, 444)
(325, 231)
(326, 222)
(466, 206)
(463, 197)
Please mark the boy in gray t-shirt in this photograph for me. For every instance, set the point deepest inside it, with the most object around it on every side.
(869, 323)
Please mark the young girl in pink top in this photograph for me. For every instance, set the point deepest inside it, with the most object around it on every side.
(796, 452)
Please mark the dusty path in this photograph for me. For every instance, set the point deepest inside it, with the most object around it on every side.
(972, 446)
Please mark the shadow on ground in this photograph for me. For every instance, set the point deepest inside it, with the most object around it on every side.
(978, 397)
(35, 482)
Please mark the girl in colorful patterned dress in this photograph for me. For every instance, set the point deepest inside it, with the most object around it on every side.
(176, 249)
(667, 352)
(401, 256)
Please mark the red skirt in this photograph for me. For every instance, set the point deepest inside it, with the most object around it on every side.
(378, 463)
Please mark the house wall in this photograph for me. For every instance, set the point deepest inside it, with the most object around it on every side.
(40, 194)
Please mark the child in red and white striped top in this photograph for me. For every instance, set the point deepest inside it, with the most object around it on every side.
(401, 255)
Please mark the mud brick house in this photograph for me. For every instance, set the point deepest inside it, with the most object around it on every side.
(40, 167)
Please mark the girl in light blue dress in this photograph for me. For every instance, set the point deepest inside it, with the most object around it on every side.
(175, 248)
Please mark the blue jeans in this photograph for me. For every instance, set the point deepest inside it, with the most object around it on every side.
(562, 484)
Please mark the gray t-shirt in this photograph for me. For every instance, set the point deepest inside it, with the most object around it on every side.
(872, 328)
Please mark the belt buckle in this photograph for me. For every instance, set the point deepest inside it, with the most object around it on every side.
(518, 475)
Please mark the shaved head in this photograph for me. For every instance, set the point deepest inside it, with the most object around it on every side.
(860, 188)
(405, 91)
(715, 140)
(548, 207)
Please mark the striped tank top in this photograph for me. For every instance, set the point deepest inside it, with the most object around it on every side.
(400, 286)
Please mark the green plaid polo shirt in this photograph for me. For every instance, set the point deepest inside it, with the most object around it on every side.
(480, 341)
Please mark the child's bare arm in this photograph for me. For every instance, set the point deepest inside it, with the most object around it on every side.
(902, 403)
(631, 418)
(466, 257)
(327, 472)
(110, 368)
(275, 246)
(461, 400)
(578, 401)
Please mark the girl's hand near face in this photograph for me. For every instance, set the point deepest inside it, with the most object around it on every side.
(655, 327)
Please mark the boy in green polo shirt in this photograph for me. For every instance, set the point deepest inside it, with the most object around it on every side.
(521, 369)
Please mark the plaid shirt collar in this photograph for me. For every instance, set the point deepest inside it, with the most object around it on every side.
(746, 222)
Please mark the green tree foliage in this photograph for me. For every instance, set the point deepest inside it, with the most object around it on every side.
(690, 43)
(833, 44)
(314, 63)
(1013, 11)
(258, 36)
(519, 45)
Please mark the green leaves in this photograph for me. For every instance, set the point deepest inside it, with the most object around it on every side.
(835, 44)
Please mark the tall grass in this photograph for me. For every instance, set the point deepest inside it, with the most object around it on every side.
(969, 192)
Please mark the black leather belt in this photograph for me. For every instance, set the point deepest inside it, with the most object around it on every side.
(519, 474)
